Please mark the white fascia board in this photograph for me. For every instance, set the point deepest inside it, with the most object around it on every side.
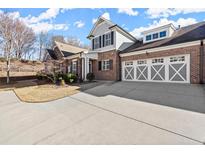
(73, 56)
(181, 45)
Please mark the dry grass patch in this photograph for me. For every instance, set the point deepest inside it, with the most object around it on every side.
(45, 93)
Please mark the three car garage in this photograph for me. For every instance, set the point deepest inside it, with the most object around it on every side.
(162, 69)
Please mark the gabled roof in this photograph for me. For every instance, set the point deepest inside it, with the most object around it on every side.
(112, 26)
(66, 50)
(123, 31)
(99, 20)
(185, 34)
(52, 54)
(69, 48)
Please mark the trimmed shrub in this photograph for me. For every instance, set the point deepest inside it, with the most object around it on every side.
(40, 76)
(71, 77)
(90, 76)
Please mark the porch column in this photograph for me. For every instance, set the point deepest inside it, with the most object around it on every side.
(86, 67)
(83, 68)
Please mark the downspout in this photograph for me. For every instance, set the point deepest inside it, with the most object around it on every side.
(202, 61)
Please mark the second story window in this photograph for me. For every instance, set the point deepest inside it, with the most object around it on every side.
(96, 42)
(163, 33)
(108, 39)
(148, 37)
(155, 35)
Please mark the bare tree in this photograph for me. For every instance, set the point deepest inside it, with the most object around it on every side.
(24, 38)
(7, 35)
(58, 38)
(44, 41)
(76, 42)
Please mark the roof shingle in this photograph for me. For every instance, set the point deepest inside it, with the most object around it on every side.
(185, 34)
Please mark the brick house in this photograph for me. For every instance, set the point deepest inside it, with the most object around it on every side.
(64, 58)
(164, 54)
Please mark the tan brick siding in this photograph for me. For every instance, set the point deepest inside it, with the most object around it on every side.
(194, 52)
(107, 74)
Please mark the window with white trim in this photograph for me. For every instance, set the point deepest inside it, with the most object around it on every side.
(155, 36)
(177, 59)
(105, 64)
(163, 33)
(96, 42)
(157, 60)
(74, 66)
(107, 39)
(148, 37)
(141, 62)
(128, 63)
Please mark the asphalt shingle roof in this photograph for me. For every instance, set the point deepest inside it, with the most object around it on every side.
(185, 34)
(52, 54)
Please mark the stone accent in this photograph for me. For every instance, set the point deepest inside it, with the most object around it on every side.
(194, 52)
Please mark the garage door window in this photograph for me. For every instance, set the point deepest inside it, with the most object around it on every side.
(141, 62)
(177, 59)
(157, 60)
(129, 63)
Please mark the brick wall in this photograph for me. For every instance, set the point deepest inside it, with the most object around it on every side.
(204, 65)
(194, 52)
(79, 65)
(107, 74)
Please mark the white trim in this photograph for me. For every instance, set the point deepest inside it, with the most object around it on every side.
(73, 56)
(166, 64)
(74, 60)
(181, 45)
(159, 28)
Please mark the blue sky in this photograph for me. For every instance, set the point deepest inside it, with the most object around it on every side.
(79, 22)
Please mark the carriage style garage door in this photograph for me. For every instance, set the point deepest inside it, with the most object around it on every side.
(162, 69)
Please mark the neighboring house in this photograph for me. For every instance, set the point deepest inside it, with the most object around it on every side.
(64, 58)
(165, 54)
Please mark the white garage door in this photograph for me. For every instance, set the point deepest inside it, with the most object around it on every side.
(163, 69)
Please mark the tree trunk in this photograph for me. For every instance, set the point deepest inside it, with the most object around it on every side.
(8, 68)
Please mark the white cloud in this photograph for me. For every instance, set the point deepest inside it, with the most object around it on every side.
(128, 11)
(94, 20)
(181, 21)
(47, 15)
(15, 14)
(45, 27)
(106, 15)
(166, 12)
(65, 9)
(79, 24)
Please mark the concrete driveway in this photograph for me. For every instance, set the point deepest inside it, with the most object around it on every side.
(184, 96)
(88, 119)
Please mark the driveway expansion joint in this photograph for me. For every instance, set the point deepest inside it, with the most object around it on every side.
(137, 120)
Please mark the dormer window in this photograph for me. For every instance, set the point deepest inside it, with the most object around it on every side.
(163, 34)
(148, 37)
(155, 35)
(158, 33)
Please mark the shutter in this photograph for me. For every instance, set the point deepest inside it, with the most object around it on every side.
(103, 40)
(111, 64)
(100, 41)
(71, 68)
(76, 68)
(99, 65)
(92, 44)
(112, 38)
